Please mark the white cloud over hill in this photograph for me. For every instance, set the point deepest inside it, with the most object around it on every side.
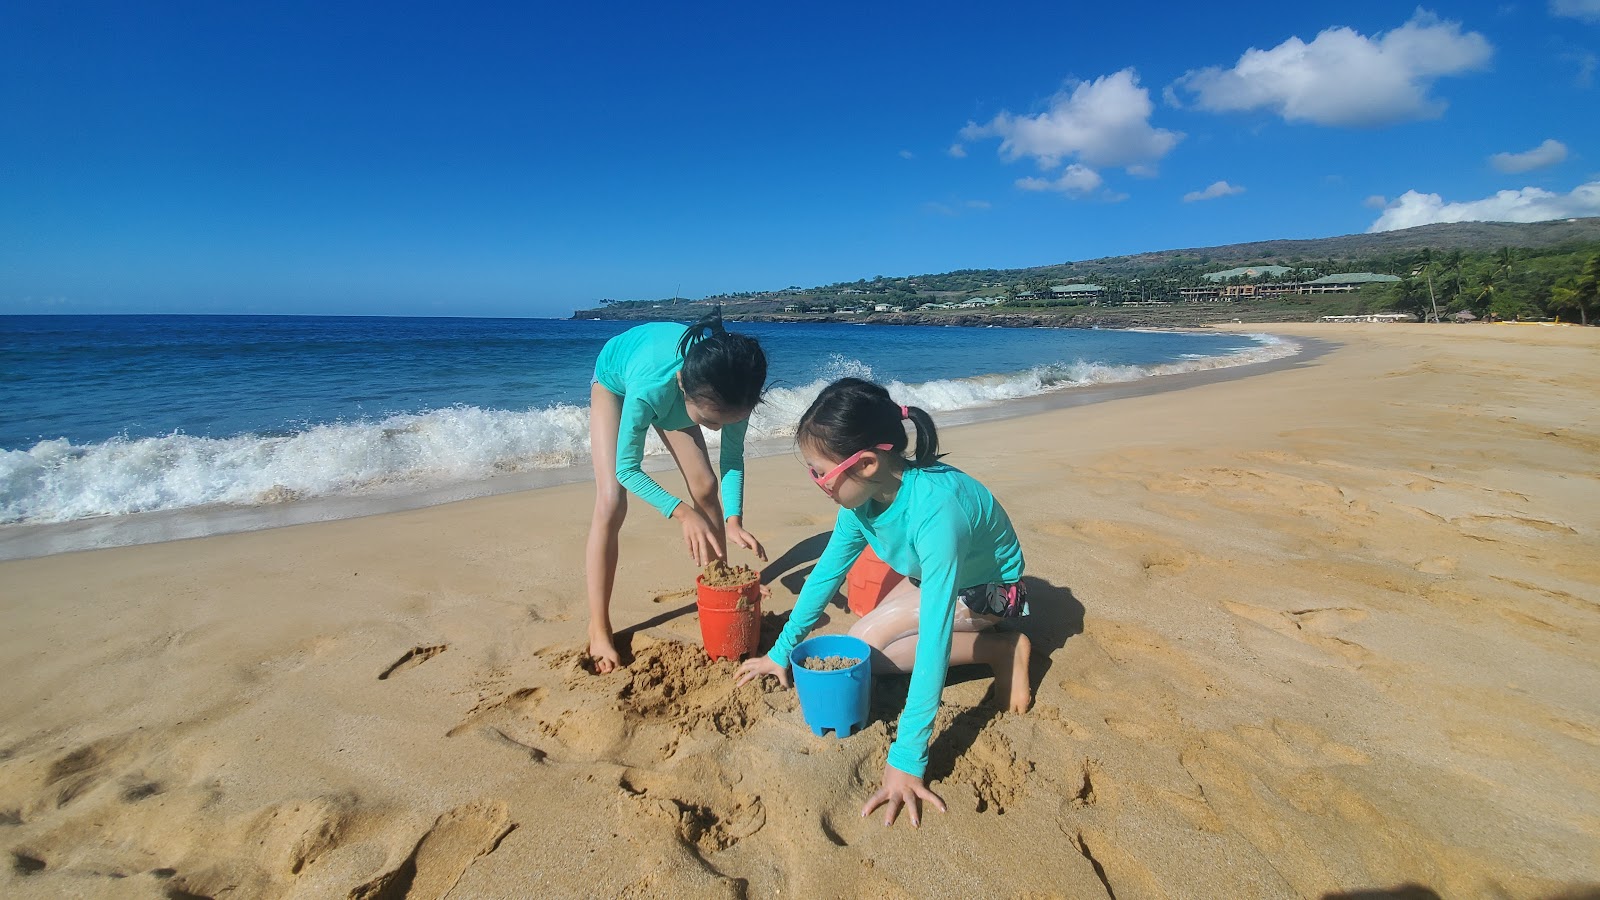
(1214, 190)
(1345, 78)
(1546, 154)
(1530, 204)
(1104, 122)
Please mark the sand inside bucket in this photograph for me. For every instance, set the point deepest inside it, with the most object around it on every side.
(719, 574)
(829, 663)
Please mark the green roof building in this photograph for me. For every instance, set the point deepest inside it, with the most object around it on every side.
(1250, 272)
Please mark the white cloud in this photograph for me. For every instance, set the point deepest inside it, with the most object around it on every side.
(1216, 189)
(1586, 63)
(958, 151)
(1343, 77)
(1543, 156)
(907, 154)
(1105, 122)
(1075, 181)
(978, 204)
(1530, 204)
(1376, 201)
(1588, 10)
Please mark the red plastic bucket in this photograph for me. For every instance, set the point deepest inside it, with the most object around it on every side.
(730, 618)
(870, 580)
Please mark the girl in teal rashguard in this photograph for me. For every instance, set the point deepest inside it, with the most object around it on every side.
(677, 380)
(931, 522)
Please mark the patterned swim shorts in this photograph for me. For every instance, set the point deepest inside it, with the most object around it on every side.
(1008, 601)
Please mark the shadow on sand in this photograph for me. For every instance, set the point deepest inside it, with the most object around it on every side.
(1055, 617)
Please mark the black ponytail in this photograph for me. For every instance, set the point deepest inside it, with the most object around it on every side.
(851, 415)
(708, 325)
(720, 367)
(927, 452)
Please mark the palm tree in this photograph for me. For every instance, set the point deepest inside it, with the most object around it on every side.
(1427, 269)
(1497, 283)
(1584, 297)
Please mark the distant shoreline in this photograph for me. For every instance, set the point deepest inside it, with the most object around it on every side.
(1121, 317)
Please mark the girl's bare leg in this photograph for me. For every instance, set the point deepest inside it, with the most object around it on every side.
(688, 449)
(610, 508)
(892, 631)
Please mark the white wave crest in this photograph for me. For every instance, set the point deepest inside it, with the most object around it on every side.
(57, 481)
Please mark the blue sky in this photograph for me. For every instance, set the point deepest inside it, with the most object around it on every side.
(432, 159)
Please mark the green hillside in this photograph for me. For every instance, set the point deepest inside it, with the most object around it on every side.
(1469, 269)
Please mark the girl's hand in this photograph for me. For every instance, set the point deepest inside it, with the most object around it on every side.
(737, 535)
(901, 789)
(756, 667)
(699, 535)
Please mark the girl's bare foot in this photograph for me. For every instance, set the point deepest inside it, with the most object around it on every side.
(1011, 688)
(603, 652)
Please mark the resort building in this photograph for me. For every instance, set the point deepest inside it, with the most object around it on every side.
(1231, 284)
(1344, 282)
(1200, 294)
(1249, 272)
(1076, 291)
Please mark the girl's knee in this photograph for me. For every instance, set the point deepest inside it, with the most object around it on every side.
(860, 629)
(705, 495)
(611, 505)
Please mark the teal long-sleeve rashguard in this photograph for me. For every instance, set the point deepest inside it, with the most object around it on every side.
(641, 366)
(942, 527)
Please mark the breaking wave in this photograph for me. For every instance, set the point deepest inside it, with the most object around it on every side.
(58, 481)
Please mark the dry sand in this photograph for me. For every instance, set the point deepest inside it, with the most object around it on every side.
(1315, 631)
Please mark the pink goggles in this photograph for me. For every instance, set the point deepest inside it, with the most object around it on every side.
(836, 471)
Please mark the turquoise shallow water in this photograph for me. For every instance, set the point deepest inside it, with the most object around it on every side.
(108, 415)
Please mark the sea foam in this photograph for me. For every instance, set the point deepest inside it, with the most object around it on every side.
(58, 481)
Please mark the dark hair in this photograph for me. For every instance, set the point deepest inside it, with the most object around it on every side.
(852, 414)
(720, 367)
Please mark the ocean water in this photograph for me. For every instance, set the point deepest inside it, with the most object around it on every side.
(113, 415)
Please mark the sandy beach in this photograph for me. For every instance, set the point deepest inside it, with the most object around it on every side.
(1313, 632)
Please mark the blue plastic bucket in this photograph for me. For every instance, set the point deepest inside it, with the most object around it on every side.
(840, 699)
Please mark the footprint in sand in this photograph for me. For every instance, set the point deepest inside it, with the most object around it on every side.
(75, 774)
(1165, 561)
(707, 828)
(1137, 647)
(24, 863)
(504, 720)
(416, 656)
(518, 702)
(1308, 626)
(443, 854)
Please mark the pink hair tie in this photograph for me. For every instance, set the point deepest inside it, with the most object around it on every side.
(905, 413)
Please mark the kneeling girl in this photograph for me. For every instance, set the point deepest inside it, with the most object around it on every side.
(931, 522)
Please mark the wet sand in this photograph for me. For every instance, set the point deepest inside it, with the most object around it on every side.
(1322, 630)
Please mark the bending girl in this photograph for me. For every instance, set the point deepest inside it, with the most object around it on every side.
(677, 380)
